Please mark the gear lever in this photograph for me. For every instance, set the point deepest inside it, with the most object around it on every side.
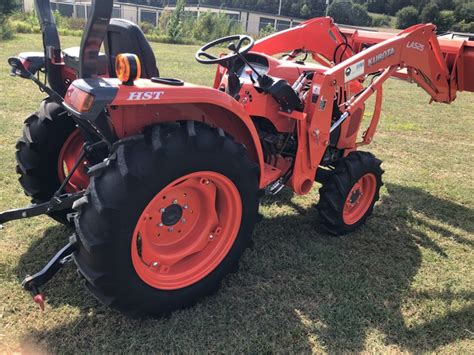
(232, 47)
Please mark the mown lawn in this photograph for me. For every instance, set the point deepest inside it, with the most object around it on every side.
(403, 283)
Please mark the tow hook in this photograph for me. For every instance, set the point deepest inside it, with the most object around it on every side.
(33, 283)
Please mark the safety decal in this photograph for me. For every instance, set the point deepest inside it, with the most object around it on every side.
(354, 71)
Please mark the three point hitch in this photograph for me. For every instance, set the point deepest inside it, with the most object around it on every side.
(58, 203)
(33, 283)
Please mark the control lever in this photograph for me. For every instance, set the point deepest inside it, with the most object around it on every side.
(249, 72)
(18, 69)
(232, 47)
(265, 82)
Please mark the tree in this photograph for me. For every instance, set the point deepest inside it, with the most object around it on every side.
(446, 20)
(463, 26)
(305, 11)
(340, 11)
(267, 31)
(464, 11)
(346, 12)
(445, 4)
(8, 6)
(406, 17)
(360, 16)
(210, 26)
(430, 13)
(377, 6)
(174, 27)
(163, 21)
(393, 6)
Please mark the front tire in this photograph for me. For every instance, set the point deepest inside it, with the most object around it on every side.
(349, 192)
(168, 219)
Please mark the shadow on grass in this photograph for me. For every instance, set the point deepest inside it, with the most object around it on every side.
(298, 289)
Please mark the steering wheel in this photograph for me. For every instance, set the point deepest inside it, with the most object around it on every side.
(205, 58)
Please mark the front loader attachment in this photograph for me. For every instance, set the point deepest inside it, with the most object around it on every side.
(456, 53)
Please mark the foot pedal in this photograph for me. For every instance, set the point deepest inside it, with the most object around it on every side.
(274, 188)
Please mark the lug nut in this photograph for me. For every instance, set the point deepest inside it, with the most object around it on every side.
(163, 210)
(175, 202)
(185, 207)
(183, 220)
(211, 237)
(155, 264)
(160, 225)
(170, 229)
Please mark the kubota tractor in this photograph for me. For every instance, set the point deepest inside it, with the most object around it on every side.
(163, 178)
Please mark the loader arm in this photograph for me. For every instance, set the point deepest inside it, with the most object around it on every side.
(457, 53)
(415, 50)
(319, 36)
(413, 55)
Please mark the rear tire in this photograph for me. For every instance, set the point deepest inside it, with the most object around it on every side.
(117, 201)
(38, 150)
(349, 192)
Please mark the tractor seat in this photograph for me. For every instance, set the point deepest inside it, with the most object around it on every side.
(71, 59)
(126, 37)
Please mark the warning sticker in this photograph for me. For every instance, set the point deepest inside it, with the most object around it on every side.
(354, 71)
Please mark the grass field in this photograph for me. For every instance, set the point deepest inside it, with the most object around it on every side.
(403, 283)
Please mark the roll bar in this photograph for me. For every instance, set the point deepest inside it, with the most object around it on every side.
(51, 44)
(94, 34)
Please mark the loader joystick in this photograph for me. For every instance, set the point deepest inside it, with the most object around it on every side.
(203, 57)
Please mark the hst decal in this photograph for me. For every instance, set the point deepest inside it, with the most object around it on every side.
(145, 96)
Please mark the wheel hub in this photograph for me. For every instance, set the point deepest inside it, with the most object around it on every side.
(172, 215)
(186, 230)
(355, 196)
(359, 199)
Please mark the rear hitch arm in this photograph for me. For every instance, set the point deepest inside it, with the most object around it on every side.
(34, 282)
(57, 203)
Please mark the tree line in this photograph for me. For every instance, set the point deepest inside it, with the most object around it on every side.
(446, 14)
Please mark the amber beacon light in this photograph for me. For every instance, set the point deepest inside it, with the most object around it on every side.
(127, 68)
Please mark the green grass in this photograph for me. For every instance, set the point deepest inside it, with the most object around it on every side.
(402, 283)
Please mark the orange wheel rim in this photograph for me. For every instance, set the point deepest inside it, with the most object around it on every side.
(186, 230)
(359, 199)
(68, 155)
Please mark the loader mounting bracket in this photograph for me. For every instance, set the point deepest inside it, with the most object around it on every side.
(34, 282)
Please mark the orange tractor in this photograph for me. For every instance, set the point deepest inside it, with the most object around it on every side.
(163, 178)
